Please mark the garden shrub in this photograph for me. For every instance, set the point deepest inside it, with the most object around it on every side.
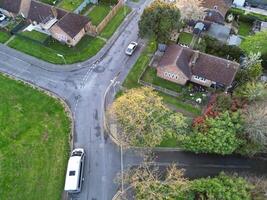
(217, 135)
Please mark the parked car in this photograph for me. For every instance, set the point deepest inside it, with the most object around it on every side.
(2, 17)
(131, 48)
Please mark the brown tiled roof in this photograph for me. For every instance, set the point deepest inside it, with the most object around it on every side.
(215, 69)
(207, 66)
(40, 12)
(214, 16)
(174, 56)
(72, 24)
(11, 5)
(222, 5)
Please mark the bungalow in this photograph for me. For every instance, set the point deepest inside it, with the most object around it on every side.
(12, 8)
(70, 29)
(182, 64)
(65, 27)
(216, 10)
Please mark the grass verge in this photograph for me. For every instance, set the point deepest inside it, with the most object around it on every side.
(85, 49)
(33, 143)
(115, 22)
(4, 36)
(244, 28)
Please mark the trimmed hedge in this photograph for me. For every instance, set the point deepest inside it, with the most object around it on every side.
(249, 17)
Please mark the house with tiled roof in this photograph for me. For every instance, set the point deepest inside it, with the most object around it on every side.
(70, 29)
(12, 8)
(181, 65)
(216, 10)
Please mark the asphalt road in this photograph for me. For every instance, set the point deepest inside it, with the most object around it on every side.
(83, 89)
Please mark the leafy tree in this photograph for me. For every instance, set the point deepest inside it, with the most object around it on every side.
(251, 91)
(143, 118)
(149, 185)
(218, 136)
(256, 124)
(191, 9)
(159, 20)
(256, 43)
(251, 68)
(222, 187)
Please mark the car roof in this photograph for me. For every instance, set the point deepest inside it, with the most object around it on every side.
(73, 165)
(131, 45)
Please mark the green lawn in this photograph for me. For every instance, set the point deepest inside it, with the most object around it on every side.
(70, 5)
(85, 49)
(115, 22)
(98, 13)
(35, 35)
(244, 28)
(185, 38)
(34, 143)
(4, 36)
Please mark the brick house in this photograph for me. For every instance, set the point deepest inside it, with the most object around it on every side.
(12, 8)
(182, 64)
(65, 27)
(216, 10)
(70, 29)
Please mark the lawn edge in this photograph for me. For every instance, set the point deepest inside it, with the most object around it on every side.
(54, 96)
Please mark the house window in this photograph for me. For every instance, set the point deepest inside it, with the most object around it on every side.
(171, 75)
(200, 78)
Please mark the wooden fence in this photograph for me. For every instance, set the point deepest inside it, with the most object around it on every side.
(95, 30)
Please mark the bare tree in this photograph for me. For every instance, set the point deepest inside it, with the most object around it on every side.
(191, 9)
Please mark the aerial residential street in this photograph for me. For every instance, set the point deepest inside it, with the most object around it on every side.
(83, 87)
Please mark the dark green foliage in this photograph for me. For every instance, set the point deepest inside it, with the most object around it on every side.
(223, 102)
(249, 17)
(218, 135)
(222, 187)
(215, 47)
(158, 20)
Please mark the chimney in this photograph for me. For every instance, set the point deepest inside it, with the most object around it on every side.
(193, 59)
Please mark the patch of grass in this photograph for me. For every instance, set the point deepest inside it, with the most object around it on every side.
(131, 80)
(51, 2)
(98, 13)
(115, 22)
(34, 143)
(244, 28)
(35, 35)
(150, 76)
(4, 36)
(70, 5)
(85, 49)
(185, 38)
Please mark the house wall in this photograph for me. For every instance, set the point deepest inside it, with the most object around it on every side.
(171, 73)
(61, 36)
(206, 83)
(25, 7)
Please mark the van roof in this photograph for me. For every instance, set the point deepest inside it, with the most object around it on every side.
(72, 175)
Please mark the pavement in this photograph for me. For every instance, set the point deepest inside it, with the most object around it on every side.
(83, 86)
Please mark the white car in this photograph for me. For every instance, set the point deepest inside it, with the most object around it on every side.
(131, 48)
(2, 17)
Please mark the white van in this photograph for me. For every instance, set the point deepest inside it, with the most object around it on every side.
(74, 175)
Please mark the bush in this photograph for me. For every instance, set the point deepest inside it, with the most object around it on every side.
(249, 17)
(221, 187)
(215, 47)
(218, 135)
